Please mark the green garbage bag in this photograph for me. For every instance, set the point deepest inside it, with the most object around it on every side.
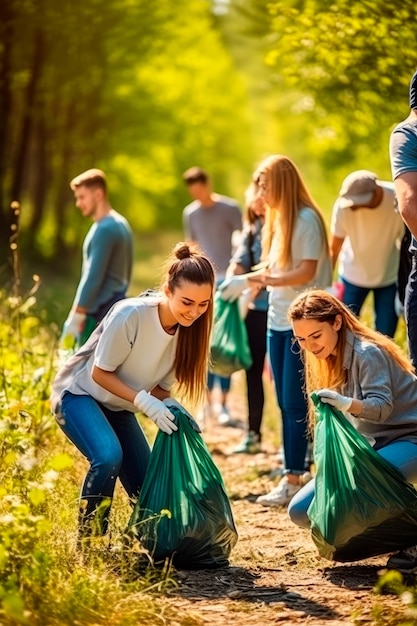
(183, 510)
(230, 350)
(362, 505)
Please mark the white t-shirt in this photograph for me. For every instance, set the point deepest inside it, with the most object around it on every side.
(133, 342)
(308, 243)
(370, 252)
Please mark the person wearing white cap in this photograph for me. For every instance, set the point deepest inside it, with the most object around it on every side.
(403, 155)
(366, 230)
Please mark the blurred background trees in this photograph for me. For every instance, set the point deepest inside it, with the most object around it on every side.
(146, 89)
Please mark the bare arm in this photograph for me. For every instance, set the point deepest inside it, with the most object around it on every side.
(234, 269)
(406, 192)
(335, 247)
(356, 406)
(300, 275)
(111, 382)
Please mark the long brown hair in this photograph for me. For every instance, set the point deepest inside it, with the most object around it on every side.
(322, 306)
(288, 194)
(188, 264)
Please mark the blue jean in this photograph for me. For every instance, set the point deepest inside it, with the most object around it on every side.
(287, 369)
(384, 304)
(410, 310)
(114, 444)
(401, 454)
(224, 382)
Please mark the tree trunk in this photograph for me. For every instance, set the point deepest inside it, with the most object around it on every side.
(29, 106)
(6, 32)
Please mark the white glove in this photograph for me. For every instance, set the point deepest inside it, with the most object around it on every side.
(156, 411)
(72, 329)
(232, 287)
(171, 402)
(342, 403)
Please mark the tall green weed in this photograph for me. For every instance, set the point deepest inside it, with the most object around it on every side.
(43, 578)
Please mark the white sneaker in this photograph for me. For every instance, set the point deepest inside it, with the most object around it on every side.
(283, 493)
(223, 417)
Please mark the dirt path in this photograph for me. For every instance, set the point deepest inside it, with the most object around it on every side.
(275, 574)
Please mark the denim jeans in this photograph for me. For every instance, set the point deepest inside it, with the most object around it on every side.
(287, 369)
(410, 309)
(384, 304)
(401, 454)
(224, 382)
(114, 444)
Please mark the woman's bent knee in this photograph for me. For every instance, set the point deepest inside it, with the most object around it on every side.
(298, 514)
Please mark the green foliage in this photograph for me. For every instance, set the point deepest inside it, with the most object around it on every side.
(43, 579)
(145, 91)
(350, 63)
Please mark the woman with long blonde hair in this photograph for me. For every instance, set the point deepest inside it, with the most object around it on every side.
(295, 248)
(365, 375)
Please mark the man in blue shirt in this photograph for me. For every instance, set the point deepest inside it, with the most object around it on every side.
(107, 258)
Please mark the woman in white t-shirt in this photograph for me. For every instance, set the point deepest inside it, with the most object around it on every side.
(296, 248)
(142, 348)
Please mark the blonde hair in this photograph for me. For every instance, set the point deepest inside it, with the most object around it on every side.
(288, 194)
(249, 216)
(188, 264)
(329, 372)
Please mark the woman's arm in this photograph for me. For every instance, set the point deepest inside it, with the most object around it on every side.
(234, 269)
(111, 382)
(300, 275)
(161, 394)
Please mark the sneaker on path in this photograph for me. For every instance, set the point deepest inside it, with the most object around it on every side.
(224, 418)
(404, 561)
(250, 445)
(282, 494)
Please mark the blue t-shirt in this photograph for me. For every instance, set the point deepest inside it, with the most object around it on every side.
(107, 262)
(403, 154)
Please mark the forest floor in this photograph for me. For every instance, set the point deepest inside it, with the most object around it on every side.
(275, 574)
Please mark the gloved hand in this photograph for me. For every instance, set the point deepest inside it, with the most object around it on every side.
(156, 411)
(72, 329)
(232, 287)
(171, 402)
(328, 396)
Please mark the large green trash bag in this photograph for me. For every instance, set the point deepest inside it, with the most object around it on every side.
(362, 506)
(230, 350)
(196, 526)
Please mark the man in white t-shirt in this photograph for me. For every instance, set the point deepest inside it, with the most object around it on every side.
(366, 231)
